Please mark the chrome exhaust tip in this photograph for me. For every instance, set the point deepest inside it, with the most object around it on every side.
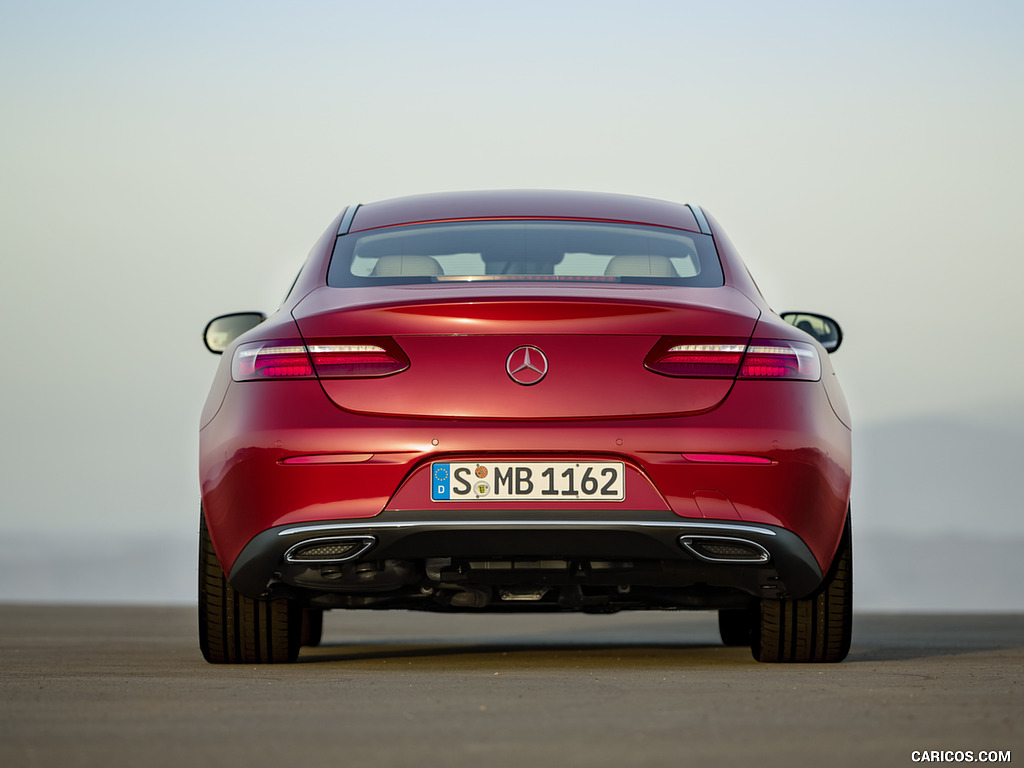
(333, 549)
(725, 549)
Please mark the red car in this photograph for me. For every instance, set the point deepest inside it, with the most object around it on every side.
(507, 401)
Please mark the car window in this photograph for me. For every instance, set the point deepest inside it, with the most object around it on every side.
(525, 250)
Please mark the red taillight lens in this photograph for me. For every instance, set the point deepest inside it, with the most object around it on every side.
(291, 359)
(711, 358)
(697, 358)
(341, 360)
(772, 359)
(271, 360)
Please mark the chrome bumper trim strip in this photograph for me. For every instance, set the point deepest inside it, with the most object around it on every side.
(377, 525)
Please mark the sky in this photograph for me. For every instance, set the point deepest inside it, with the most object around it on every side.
(161, 164)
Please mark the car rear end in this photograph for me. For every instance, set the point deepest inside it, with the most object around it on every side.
(451, 420)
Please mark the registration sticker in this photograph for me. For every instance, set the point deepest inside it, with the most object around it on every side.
(549, 481)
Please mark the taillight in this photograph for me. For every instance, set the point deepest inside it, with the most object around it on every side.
(732, 358)
(772, 359)
(291, 359)
(271, 360)
(701, 358)
(341, 360)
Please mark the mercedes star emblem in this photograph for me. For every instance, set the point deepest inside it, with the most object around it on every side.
(526, 365)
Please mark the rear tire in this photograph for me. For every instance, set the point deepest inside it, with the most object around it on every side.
(817, 628)
(235, 629)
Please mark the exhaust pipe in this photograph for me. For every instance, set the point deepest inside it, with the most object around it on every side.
(725, 549)
(334, 549)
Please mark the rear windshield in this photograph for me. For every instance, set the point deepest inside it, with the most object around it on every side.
(571, 251)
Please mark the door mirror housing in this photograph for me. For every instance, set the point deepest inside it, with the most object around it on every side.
(223, 330)
(821, 328)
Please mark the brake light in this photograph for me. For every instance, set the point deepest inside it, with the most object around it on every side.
(271, 360)
(291, 359)
(732, 358)
(771, 359)
(340, 360)
(697, 358)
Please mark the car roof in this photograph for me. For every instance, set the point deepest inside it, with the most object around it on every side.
(445, 206)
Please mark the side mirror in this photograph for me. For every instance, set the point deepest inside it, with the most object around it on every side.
(223, 330)
(824, 329)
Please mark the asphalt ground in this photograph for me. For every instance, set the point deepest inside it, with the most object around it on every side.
(124, 686)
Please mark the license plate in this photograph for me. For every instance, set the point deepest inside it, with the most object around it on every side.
(548, 481)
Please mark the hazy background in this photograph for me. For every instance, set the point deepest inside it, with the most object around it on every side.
(164, 163)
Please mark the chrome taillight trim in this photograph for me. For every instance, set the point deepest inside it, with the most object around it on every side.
(327, 349)
(719, 348)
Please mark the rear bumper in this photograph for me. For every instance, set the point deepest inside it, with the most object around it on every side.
(691, 556)
(371, 475)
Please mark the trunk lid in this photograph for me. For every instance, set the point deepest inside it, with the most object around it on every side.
(459, 339)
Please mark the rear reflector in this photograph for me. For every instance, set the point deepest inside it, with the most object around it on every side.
(291, 359)
(326, 458)
(725, 458)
